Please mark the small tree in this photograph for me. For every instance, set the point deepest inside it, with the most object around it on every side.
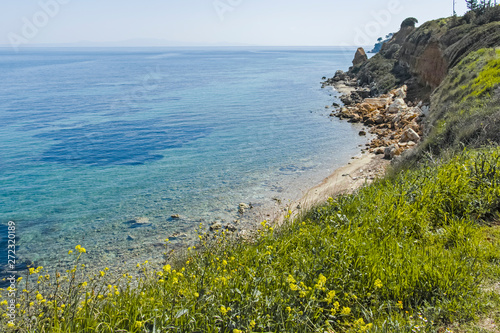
(472, 5)
(479, 7)
(409, 22)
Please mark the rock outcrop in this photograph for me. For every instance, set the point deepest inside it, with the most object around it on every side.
(422, 57)
(360, 57)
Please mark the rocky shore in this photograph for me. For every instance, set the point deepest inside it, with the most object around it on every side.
(395, 122)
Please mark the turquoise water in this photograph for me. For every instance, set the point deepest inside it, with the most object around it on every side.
(93, 138)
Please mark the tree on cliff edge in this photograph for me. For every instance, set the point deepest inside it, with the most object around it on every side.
(409, 22)
(479, 7)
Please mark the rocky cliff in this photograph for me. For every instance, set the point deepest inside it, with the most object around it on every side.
(451, 68)
(422, 57)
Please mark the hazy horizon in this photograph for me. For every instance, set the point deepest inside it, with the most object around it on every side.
(210, 23)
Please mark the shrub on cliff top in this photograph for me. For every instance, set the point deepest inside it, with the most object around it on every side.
(479, 7)
(409, 22)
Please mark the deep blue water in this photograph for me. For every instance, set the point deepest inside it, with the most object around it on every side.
(92, 138)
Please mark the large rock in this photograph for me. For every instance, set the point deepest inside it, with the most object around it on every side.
(364, 92)
(410, 135)
(400, 92)
(360, 57)
(340, 76)
(397, 106)
(389, 152)
(379, 103)
(366, 107)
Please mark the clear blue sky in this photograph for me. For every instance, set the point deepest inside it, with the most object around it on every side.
(257, 22)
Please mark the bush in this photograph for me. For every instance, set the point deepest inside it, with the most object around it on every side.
(491, 14)
(470, 17)
(409, 22)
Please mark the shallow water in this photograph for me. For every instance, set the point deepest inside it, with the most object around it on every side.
(94, 138)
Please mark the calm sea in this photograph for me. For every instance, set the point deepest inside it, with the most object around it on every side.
(91, 139)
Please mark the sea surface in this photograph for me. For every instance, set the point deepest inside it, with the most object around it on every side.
(93, 139)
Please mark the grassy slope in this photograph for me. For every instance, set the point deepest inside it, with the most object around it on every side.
(423, 241)
(466, 106)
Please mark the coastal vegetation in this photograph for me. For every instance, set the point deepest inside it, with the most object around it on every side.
(416, 251)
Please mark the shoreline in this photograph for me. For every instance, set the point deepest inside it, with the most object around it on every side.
(361, 170)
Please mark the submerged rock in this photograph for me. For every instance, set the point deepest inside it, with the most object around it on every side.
(242, 207)
(139, 222)
(231, 228)
(216, 226)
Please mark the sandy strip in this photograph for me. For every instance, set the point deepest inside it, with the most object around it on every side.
(360, 171)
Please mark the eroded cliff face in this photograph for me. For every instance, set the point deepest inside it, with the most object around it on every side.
(430, 66)
(422, 57)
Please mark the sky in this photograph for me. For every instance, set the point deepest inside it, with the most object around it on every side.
(217, 22)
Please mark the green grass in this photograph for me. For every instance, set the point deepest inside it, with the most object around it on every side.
(417, 248)
(465, 108)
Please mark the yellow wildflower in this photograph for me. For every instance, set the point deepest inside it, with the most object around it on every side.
(321, 281)
(345, 311)
(378, 284)
(138, 324)
(224, 310)
(330, 296)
